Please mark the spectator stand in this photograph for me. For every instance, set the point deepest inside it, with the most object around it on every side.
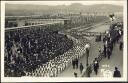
(24, 39)
(63, 61)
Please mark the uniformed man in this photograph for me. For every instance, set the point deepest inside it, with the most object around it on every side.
(88, 70)
(81, 67)
(96, 66)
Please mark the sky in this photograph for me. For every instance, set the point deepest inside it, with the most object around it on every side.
(66, 2)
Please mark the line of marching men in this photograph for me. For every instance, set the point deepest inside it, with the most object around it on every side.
(58, 64)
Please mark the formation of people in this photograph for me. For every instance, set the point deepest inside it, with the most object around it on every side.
(27, 49)
(58, 64)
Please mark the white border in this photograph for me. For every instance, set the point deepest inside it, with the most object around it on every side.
(61, 79)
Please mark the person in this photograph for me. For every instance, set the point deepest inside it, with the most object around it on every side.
(75, 74)
(116, 73)
(104, 51)
(100, 37)
(121, 45)
(108, 53)
(104, 39)
(120, 33)
(87, 52)
(88, 70)
(96, 66)
(111, 46)
(76, 63)
(81, 67)
(73, 64)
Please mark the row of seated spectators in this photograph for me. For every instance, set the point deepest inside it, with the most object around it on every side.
(26, 49)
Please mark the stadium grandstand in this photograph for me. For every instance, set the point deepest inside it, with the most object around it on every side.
(28, 47)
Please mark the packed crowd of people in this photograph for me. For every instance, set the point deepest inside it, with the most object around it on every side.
(57, 65)
(27, 49)
(112, 37)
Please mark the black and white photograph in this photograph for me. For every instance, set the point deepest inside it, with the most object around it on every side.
(64, 40)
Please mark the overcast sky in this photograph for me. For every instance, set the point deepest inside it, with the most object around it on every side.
(66, 2)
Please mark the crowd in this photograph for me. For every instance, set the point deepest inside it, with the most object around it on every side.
(58, 64)
(110, 38)
(39, 51)
(27, 49)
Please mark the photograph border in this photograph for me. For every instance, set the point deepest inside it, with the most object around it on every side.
(62, 79)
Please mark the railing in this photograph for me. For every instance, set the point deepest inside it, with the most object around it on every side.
(29, 26)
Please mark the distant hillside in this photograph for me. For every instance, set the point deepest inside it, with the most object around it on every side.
(21, 9)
